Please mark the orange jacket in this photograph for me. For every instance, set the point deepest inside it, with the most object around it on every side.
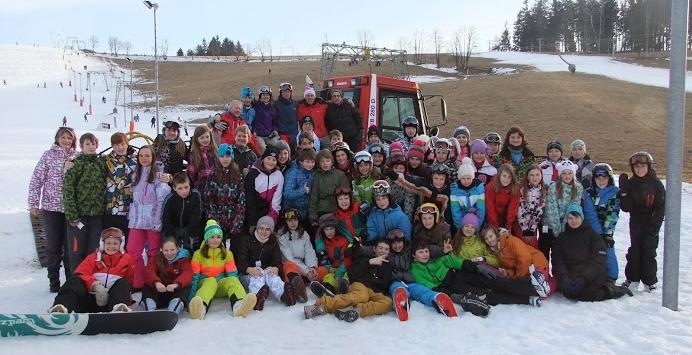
(515, 256)
(110, 269)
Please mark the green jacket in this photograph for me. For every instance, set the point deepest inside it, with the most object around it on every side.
(363, 191)
(324, 185)
(84, 187)
(474, 247)
(431, 274)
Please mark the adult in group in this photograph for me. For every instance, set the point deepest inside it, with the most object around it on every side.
(344, 117)
(316, 109)
(287, 122)
(265, 123)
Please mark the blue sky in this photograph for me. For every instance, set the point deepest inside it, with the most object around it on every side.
(292, 27)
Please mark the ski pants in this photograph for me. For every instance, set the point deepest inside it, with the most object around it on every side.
(641, 255)
(612, 264)
(164, 298)
(545, 243)
(498, 291)
(75, 296)
(365, 300)
(210, 288)
(83, 241)
(56, 243)
(135, 246)
(416, 292)
(254, 284)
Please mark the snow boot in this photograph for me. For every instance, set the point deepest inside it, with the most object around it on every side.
(312, 311)
(470, 302)
(632, 285)
(262, 296)
(342, 286)
(615, 291)
(535, 301)
(289, 295)
(197, 308)
(650, 288)
(121, 308)
(299, 288)
(58, 308)
(349, 314)
(54, 285)
(400, 300)
(176, 305)
(242, 307)
(149, 304)
(445, 305)
(318, 289)
(540, 284)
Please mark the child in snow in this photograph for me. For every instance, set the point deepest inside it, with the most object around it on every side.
(298, 183)
(46, 186)
(401, 192)
(263, 189)
(466, 193)
(227, 124)
(348, 214)
(643, 196)
(297, 253)
(307, 126)
(170, 149)
(601, 205)
(370, 279)
(549, 166)
(247, 95)
(385, 216)
(515, 151)
(440, 193)
(443, 156)
(202, 158)
(167, 279)
(469, 246)
(343, 159)
(335, 136)
(224, 196)
(215, 275)
(429, 225)
(374, 139)
(479, 154)
(259, 262)
(415, 156)
(532, 205)
(243, 154)
(182, 211)
(326, 180)
(120, 169)
(101, 282)
(579, 262)
(364, 175)
(265, 123)
(83, 193)
(283, 157)
(333, 254)
(562, 193)
(463, 136)
(409, 125)
(305, 142)
(494, 142)
(144, 218)
(582, 160)
(378, 151)
(502, 197)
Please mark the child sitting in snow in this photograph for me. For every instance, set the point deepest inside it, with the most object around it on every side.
(333, 254)
(167, 279)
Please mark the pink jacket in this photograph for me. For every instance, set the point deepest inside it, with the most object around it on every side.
(47, 180)
(147, 204)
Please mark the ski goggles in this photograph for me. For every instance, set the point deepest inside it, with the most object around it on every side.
(363, 159)
(600, 172)
(376, 149)
(380, 187)
(340, 146)
(171, 124)
(342, 191)
(285, 86)
(428, 208)
(492, 137)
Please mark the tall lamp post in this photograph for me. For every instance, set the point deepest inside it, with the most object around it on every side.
(132, 108)
(124, 102)
(155, 6)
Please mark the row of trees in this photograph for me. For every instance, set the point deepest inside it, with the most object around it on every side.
(117, 46)
(459, 44)
(590, 26)
(215, 48)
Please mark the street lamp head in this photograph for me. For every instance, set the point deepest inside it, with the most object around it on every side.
(151, 5)
(128, 59)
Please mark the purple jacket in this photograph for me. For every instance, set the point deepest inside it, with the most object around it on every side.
(147, 205)
(265, 119)
(47, 180)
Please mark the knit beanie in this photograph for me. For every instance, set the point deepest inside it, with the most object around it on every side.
(578, 143)
(267, 222)
(575, 208)
(328, 220)
(374, 131)
(396, 148)
(309, 90)
(225, 149)
(555, 145)
(271, 151)
(282, 145)
(470, 218)
(479, 146)
(462, 130)
(212, 229)
(417, 150)
(564, 165)
(466, 168)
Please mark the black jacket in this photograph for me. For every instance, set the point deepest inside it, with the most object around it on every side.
(346, 119)
(644, 199)
(580, 253)
(400, 263)
(251, 250)
(376, 277)
(182, 214)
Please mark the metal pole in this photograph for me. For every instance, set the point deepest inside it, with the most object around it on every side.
(89, 90)
(156, 59)
(676, 132)
(124, 102)
(132, 107)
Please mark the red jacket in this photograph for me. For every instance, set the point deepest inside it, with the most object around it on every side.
(110, 269)
(501, 206)
(177, 272)
(228, 136)
(316, 111)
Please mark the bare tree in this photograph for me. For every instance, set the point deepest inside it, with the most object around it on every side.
(113, 45)
(366, 38)
(248, 51)
(469, 44)
(438, 42)
(463, 43)
(261, 48)
(127, 46)
(417, 41)
(268, 46)
(93, 42)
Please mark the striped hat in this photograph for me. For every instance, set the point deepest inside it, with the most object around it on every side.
(212, 229)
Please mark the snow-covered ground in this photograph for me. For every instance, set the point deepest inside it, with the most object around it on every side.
(30, 116)
(431, 78)
(598, 65)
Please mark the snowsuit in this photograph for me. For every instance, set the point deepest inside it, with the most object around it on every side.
(297, 253)
(215, 276)
(347, 120)
(224, 202)
(381, 221)
(83, 193)
(263, 191)
(46, 185)
(114, 272)
(644, 199)
(177, 271)
(294, 196)
(555, 215)
(253, 253)
(145, 222)
(333, 257)
(530, 214)
(502, 207)
(322, 198)
(181, 219)
(602, 210)
(351, 223)
(118, 197)
(462, 198)
(199, 175)
(317, 111)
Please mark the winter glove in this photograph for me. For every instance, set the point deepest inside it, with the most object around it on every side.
(487, 271)
(572, 288)
(101, 294)
(221, 126)
(608, 239)
(363, 236)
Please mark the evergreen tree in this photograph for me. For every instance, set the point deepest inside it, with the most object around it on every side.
(180, 52)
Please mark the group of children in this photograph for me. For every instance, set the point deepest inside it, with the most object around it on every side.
(442, 221)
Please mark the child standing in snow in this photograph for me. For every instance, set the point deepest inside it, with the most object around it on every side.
(479, 154)
(562, 193)
(46, 186)
(364, 175)
(243, 153)
(532, 205)
(463, 136)
(263, 189)
(182, 211)
(167, 279)
(582, 160)
(326, 180)
(549, 166)
(170, 148)
(215, 275)
(202, 158)
(348, 214)
(298, 183)
(145, 212)
(502, 197)
(120, 168)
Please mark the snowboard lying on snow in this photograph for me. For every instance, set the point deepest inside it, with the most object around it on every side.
(86, 323)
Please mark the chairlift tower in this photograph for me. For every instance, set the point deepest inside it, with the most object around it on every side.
(331, 53)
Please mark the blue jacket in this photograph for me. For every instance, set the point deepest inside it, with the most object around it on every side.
(286, 116)
(248, 114)
(602, 208)
(463, 198)
(294, 188)
(265, 119)
(380, 222)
